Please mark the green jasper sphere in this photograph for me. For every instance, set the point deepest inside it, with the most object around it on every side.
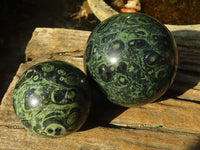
(132, 58)
(52, 99)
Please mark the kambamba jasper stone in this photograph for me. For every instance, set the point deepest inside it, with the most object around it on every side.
(132, 58)
(52, 99)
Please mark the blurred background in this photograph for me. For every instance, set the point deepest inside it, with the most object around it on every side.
(19, 18)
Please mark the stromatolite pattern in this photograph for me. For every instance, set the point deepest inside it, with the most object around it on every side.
(132, 58)
(52, 98)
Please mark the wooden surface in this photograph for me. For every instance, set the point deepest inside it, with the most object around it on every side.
(101, 9)
(172, 122)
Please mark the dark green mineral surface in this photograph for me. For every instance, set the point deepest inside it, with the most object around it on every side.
(52, 99)
(132, 58)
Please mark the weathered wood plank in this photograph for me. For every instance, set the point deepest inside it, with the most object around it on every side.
(106, 138)
(56, 42)
(170, 123)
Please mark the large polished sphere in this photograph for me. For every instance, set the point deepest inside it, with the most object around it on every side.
(132, 58)
(52, 99)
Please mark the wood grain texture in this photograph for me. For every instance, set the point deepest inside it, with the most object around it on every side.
(101, 9)
(172, 122)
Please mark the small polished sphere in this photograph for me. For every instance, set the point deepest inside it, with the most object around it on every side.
(52, 99)
(132, 58)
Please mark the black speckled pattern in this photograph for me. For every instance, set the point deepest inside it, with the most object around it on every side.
(132, 57)
(52, 99)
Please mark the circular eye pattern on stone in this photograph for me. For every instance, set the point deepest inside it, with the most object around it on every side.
(48, 67)
(105, 73)
(115, 48)
(123, 80)
(152, 58)
(138, 43)
(55, 130)
(46, 96)
(121, 67)
(72, 118)
(133, 48)
(71, 96)
(61, 72)
(140, 32)
(60, 96)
